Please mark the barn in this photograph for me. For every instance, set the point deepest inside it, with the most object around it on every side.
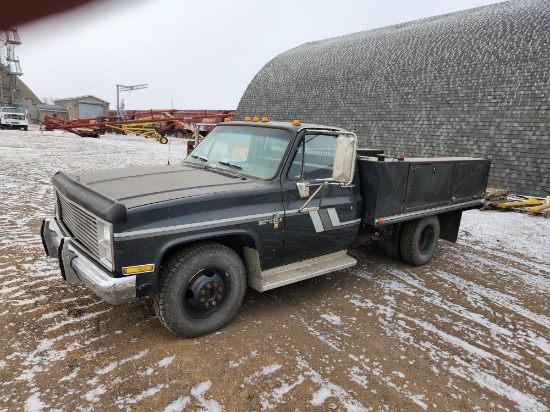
(471, 83)
(83, 107)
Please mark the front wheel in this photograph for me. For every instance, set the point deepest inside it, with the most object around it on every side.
(163, 140)
(419, 240)
(200, 289)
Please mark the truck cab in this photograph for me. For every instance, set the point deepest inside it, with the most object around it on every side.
(14, 118)
(256, 203)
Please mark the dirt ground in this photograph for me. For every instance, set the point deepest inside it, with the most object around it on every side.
(469, 331)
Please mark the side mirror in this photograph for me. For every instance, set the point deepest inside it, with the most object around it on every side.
(344, 158)
(303, 189)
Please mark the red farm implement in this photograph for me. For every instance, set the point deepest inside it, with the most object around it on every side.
(157, 124)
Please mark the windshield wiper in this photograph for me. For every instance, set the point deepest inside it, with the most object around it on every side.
(203, 158)
(230, 164)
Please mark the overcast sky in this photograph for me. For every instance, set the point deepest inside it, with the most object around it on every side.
(198, 54)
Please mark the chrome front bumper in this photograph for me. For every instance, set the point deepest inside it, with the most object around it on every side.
(76, 268)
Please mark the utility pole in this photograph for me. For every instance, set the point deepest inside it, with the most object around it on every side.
(121, 88)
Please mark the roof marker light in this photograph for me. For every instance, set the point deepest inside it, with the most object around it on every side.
(296, 122)
(255, 119)
(265, 119)
(247, 119)
(227, 119)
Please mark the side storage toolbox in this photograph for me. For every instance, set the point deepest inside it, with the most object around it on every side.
(392, 187)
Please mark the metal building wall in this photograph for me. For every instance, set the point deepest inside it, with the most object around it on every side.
(472, 83)
(83, 107)
(88, 109)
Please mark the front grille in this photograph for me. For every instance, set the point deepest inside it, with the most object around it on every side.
(81, 223)
(15, 116)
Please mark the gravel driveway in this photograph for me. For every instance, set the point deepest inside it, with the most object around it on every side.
(469, 331)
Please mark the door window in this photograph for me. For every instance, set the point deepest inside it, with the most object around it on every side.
(314, 158)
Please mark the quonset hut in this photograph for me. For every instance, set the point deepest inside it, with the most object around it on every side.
(472, 83)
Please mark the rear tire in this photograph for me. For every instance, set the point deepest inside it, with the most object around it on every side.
(163, 140)
(200, 289)
(25, 128)
(419, 240)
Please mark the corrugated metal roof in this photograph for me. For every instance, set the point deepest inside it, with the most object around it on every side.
(51, 107)
(79, 98)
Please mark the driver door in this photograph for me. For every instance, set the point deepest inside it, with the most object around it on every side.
(335, 224)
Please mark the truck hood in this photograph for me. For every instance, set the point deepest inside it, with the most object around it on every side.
(138, 186)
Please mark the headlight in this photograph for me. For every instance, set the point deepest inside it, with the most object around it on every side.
(105, 242)
(107, 231)
(56, 205)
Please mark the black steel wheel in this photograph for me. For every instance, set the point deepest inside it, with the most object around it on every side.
(206, 292)
(419, 240)
(200, 289)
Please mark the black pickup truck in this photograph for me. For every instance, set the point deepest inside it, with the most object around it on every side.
(257, 203)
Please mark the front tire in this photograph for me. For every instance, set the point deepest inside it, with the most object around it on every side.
(200, 289)
(419, 240)
(163, 140)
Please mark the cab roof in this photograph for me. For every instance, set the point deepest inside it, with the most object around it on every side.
(284, 125)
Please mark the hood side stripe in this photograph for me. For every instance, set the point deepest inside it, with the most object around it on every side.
(190, 226)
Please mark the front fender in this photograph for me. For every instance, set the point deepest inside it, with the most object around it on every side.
(214, 236)
(146, 250)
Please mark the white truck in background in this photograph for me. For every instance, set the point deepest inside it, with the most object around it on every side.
(13, 118)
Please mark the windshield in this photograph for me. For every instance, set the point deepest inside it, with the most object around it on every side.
(254, 151)
(12, 110)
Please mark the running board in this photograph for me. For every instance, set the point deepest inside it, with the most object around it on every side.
(294, 272)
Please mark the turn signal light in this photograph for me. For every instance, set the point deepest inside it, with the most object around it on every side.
(134, 270)
(296, 122)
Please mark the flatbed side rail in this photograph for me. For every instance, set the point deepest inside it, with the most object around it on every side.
(403, 217)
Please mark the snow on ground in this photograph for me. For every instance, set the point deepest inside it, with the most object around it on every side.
(519, 233)
(469, 331)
